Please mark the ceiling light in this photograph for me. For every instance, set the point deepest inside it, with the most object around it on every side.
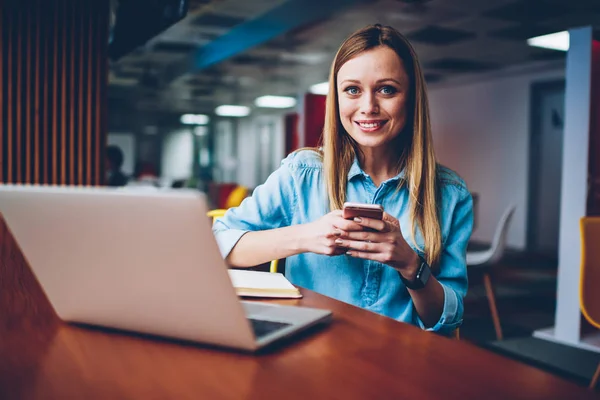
(194, 119)
(275, 102)
(227, 110)
(554, 41)
(320, 88)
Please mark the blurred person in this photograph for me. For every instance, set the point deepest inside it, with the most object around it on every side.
(114, 163)
(377, 148)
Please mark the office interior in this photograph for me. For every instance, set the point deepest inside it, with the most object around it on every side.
(213, 103)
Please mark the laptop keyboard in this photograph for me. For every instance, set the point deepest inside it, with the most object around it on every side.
(262, 327)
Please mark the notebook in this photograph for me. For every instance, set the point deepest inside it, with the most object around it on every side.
(262, 284)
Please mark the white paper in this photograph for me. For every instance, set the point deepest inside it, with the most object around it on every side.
(259, 280)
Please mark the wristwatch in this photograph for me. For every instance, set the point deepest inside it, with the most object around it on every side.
(423, 274)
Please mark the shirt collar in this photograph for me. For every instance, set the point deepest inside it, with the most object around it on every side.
(356, 170)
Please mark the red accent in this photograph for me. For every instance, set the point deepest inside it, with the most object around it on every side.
(314, 119)
(291, 132)
(218, 193)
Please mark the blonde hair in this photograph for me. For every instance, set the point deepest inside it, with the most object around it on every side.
(415, 144)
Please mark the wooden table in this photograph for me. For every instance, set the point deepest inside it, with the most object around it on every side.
(361, 355)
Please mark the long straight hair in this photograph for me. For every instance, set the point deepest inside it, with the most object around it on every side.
(414, 144)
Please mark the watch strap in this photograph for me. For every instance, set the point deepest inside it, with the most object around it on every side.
(421, 278)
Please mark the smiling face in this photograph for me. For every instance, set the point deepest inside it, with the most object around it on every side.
(372, 91)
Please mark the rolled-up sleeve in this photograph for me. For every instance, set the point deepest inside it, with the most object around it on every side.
(453, 266)
(271, 206)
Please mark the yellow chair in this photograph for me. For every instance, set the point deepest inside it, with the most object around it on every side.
(236, 197)
(589, 296)
(218, 213)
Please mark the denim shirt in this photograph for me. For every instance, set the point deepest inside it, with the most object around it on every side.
(296, 194)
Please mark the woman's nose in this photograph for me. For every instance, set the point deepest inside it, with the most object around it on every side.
(369, 105)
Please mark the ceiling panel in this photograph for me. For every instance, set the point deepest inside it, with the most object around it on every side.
(436, 35)
(214, 20)
(527, 11)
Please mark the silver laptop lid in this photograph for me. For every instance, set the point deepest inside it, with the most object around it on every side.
(139, 261)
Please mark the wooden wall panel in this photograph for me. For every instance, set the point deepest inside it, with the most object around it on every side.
(53, 81)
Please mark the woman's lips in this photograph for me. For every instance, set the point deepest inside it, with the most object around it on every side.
(370, 126)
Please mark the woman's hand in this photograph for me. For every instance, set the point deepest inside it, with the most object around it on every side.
(320, 236)
(383, 243)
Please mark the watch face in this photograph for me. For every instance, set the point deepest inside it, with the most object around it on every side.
(422, 277)
(424, 273)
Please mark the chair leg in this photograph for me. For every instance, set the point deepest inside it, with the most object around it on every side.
(492, 301)
(456, 334)
(595, 378)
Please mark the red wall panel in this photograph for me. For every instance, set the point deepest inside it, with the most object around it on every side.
(314, 119)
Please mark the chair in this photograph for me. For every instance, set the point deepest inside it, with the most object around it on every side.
(237, 195)
(589, 296)
(218, 213)
(485, 259)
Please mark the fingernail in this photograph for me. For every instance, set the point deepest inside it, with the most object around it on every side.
(339, 241)
(338, 232)
(357, 219)
(349, 253)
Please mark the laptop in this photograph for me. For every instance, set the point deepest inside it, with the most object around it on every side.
(140, 261)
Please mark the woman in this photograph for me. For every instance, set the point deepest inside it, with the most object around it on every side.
(377, 148)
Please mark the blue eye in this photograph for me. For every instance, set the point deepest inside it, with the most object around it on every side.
(352, 90)
(388, 90)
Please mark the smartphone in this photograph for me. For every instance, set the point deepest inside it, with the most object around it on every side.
(351, 210)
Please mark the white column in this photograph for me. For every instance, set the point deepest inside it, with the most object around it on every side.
(574, 186)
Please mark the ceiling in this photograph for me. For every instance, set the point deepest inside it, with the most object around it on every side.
(453, 38)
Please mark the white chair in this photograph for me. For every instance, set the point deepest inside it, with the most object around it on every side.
(485, 259)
